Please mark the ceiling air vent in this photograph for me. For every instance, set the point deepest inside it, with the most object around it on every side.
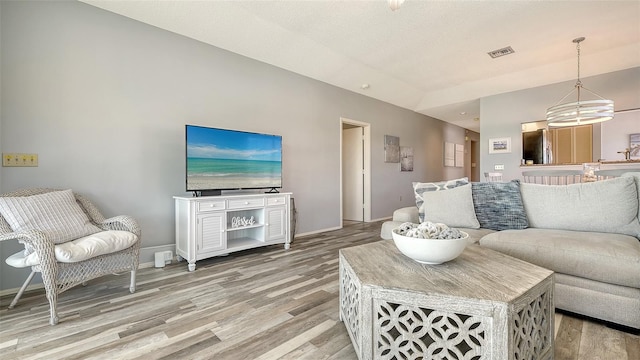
(501, 52)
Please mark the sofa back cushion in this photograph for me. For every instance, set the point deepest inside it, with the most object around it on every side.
(603, 206)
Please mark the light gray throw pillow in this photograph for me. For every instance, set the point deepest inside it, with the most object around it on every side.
(453, 207)
(420, 188)
(55, 213)
(603, 206)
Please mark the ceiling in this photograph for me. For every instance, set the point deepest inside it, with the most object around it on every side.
(428, 56)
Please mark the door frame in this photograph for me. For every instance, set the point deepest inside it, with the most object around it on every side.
(367, 166)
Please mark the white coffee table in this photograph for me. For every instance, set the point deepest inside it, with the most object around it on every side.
(483, 304)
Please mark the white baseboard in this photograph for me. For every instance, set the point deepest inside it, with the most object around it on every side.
(15, 290)
(381, 219)
(318, 231)
(147, 254)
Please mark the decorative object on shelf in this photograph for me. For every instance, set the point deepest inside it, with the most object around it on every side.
(406, 158)
(238, 221)
(581, 112)
(428, 242)
(634, 145)
(500, 145)
(589, 172)
(395, 4)
(391, 149)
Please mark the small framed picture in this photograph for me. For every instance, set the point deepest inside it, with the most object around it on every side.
(500, 145)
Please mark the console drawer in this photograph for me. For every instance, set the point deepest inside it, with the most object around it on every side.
(210, 205)
(245, 203)
(277, 200)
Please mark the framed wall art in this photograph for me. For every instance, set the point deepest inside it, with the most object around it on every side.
(449, 154)
(391, 149)
(500, 145)
(459, 155)
(406, 158)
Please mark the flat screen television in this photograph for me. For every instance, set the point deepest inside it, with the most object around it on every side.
(221, 159)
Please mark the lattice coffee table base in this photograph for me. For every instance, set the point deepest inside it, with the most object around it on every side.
(394, 323)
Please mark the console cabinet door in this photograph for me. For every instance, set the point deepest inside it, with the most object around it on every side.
(276, 223)
(210, 235)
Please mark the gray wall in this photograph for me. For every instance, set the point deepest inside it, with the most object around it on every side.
(103, 100)
(502, 115)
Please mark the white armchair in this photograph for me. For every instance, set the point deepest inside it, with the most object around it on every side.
(67, 240)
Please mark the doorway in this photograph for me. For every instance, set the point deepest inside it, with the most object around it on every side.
(355, 171)
(475, 159)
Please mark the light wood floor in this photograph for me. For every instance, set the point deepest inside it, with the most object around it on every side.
(266, 303)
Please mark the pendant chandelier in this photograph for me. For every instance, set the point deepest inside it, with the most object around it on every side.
(581, 112)
(395, 4)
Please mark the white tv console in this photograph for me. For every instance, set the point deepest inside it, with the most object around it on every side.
(210, 226)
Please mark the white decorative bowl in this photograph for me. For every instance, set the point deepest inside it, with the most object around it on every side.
(430, 251)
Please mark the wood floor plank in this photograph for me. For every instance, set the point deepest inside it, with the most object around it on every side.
(601, 342)
(632, 343)
(266, 303)
(567, 343)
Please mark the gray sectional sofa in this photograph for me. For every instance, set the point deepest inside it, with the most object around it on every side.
(588, 234)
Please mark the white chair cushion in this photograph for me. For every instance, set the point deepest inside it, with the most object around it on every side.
(55, 213)
(104, 242)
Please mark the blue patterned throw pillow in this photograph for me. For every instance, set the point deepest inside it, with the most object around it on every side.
(498, 205)
(420, 188)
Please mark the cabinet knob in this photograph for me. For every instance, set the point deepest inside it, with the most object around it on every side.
(246, 203)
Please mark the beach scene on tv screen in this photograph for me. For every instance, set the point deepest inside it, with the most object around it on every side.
(224, 159)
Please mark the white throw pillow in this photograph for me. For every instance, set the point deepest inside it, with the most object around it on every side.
(55, 213)
(453, 207)
(104, 242)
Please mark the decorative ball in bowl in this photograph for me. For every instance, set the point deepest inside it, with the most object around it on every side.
(429, 243)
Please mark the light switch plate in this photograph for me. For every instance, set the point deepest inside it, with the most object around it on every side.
(19, 159)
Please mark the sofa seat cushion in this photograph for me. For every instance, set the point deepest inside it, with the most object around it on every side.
(407, 214)
(476, 234)
(101, 243)
(612, 258)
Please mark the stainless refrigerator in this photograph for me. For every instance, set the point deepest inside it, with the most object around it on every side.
(536, 146)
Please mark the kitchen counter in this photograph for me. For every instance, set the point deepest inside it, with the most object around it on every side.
(603, 164)
(632, 161)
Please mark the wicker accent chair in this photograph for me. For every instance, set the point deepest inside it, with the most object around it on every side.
(60, 276)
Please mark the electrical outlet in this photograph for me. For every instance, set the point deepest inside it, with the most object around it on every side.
(19, 159)
(498, 167)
